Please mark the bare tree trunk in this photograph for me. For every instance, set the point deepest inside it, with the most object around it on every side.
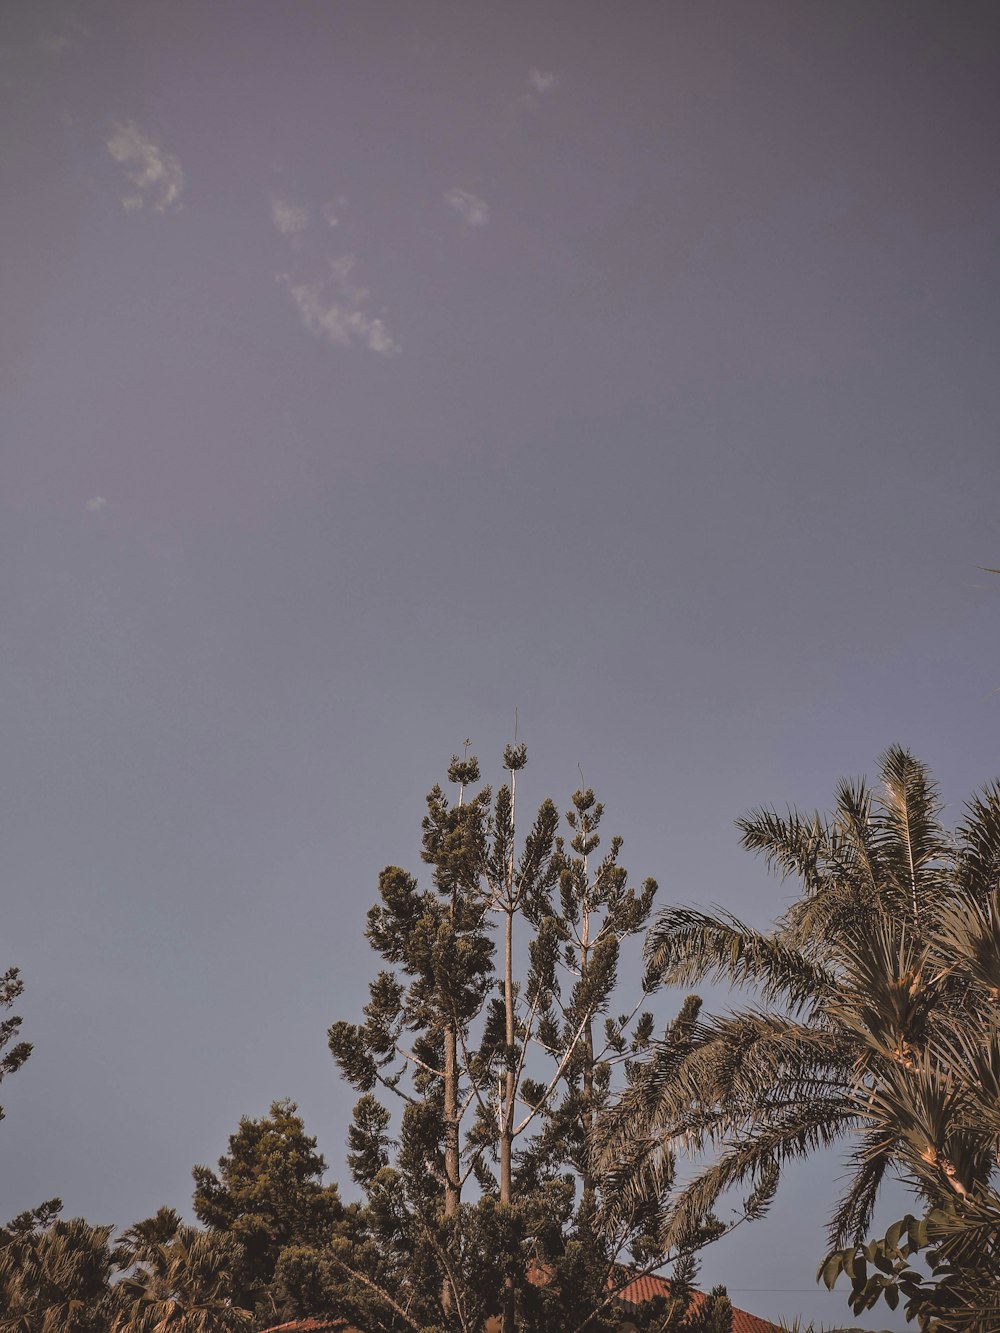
(452, 1165)
(507, 1110)
(452, 1147)
(587, 1178)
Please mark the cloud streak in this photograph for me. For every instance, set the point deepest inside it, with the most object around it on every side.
(473, 211)
(155, 173)
(335, 308)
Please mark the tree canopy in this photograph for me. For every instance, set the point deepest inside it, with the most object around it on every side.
(493, 1023)
(267, 1194)
(13, 1053)
(875, 1023)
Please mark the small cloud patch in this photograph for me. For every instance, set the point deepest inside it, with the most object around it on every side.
(473, 211)
(332, 210)
(336, 308)
(543, 81)
(290, 219)
(96, 503)
(155, 174)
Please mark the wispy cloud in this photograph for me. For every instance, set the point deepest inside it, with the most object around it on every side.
(290, 219)
(337, 309)
(543, 81)
(72, 32)
(98, 502)
(156, 174)
(332, 210)
(469, 207)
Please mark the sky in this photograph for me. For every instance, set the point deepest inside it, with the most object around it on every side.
(370, 371)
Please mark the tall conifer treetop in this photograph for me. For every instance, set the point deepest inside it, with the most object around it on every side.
(12, 1057)
(494, 1025)
(268, 1193)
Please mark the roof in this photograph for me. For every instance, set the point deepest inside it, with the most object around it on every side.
(647, 1286)
(643, 1288)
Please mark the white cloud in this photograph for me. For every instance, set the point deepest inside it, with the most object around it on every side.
(156, 175)
(469, 207)
(543, 81)
(332, 210)
(290, 219)
(335, 308)
(98, 502)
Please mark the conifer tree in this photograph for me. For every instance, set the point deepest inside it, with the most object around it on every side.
(268, 1195)
(596, 912)
(11, 987)
(493, 1050)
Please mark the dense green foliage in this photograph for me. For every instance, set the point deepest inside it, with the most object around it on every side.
(486, 1201)
(54, 1278)
(161, 1277)
(530, 1174)
(268, 1195)
(877, 1024)
(181, 1280)
(12, 1057)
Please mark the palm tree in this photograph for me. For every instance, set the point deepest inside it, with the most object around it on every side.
(858, 991)
(140, 1243)
(943, 1108)
(185, 1281)
(56, 1279)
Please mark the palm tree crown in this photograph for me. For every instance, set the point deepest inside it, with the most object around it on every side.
(866, 990)
(184, 1282)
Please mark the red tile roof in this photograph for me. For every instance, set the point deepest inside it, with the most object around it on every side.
(649, 1285)
(640, 1289)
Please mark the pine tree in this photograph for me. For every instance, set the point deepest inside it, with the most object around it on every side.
(11, 987)
(498, 1065)
(268, 1195)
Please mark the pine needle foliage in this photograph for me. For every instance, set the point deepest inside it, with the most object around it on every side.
(266, 1195)
(493, 1027)
(13, 1052)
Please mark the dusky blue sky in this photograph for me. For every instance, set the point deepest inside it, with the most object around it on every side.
(372, 370)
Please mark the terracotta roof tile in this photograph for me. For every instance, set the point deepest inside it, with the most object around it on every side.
(640, 1289)
(649, 1285)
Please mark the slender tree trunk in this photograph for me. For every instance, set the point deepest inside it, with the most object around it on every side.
(452, 1166)
(507, 1115)
(587, 1178)
(507, 1109)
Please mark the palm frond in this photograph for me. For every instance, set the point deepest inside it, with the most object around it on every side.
(686, 945)
(871, 1158)
(968, 938)
(853, 803)
(792, 845)
(978, 844)
(803, 1130)
(910, 810)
